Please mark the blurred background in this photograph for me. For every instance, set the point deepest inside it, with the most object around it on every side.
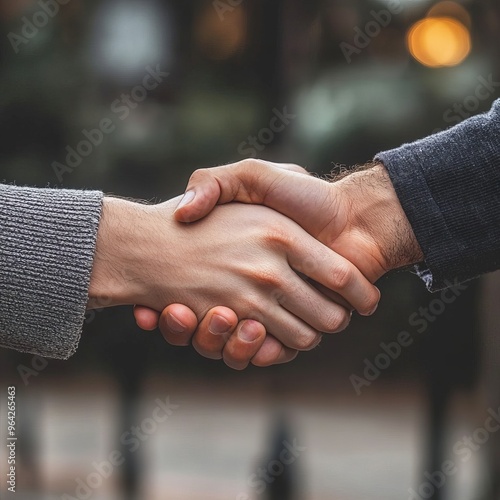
(130, 97)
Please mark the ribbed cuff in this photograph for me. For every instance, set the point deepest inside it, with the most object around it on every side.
(448, 185)
(423, 212)
(47, 245)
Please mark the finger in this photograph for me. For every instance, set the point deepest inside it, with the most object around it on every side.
(333, 296)
(146, 318)
(306, 302)
(214, 331)
(247, 181)
(273, 352)
(178, 324)
(244, 344)
(289, 329)
(328, 268)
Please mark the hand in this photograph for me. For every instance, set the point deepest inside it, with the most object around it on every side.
(360, 217)
(245, 257)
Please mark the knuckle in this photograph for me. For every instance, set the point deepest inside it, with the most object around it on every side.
(337, 321)
(308, 342)
(199, 174)
(253, 305)
(276, 236)
(342, 277)
(256, 162)
(267, 278)
(251, 165)
(278, 296)
(308, 265)
(297, 168)
(371, 302)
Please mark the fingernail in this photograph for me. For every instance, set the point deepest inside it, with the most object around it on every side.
(186, 199)
(372, 312)
(249, 331)
(175, 325)
(219, 325)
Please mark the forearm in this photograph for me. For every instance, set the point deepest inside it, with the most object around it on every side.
(47, 245)
(375, 212)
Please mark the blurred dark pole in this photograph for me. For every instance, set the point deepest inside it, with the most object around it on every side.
(130, 371)
(284, 486)
(490, 320)
(492, 21)
(282, 29)
(301, 40)
(266, 51)
(451, 357)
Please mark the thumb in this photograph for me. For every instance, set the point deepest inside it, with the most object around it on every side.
(247, 181)
(202, 194)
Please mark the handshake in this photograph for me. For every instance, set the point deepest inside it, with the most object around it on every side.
(284, 258)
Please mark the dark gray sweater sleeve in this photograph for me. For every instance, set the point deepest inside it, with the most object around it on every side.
(47, 244)
(449, 187)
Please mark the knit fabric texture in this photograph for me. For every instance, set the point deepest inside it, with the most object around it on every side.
(449, 187)
(47, 245)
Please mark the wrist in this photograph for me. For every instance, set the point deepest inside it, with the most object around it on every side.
(114, 280)
(376, 212)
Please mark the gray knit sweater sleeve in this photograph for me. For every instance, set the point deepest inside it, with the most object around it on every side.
(47, 244)
(449, 187)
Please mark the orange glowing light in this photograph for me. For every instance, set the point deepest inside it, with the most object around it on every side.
(451, 9)
(437, 42)
(218, 39)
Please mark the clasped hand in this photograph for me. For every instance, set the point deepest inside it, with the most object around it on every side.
(282, 283)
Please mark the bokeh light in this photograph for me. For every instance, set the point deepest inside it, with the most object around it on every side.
(439, 42)
(221, 40)
(451, 9)
(127, 36)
